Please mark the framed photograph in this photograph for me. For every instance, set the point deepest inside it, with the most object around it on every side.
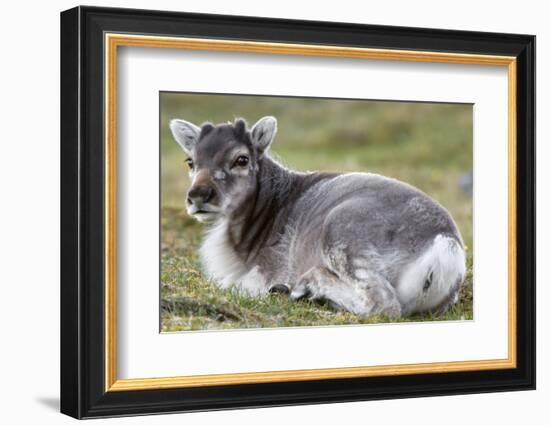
(261, 212)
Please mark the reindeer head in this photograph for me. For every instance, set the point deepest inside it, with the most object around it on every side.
(223, 164)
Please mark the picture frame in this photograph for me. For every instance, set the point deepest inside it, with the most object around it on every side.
(90, 40)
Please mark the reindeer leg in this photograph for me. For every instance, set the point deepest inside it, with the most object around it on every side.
(365, 297)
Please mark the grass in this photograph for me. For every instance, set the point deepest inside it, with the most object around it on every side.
(427, 145)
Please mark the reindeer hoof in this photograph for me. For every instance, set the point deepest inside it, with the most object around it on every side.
(279, 289)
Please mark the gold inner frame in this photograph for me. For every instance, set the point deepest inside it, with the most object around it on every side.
(113, 41)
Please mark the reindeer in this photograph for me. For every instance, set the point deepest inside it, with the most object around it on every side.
(362, 242)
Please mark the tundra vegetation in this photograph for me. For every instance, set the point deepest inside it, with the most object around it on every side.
(426, 145)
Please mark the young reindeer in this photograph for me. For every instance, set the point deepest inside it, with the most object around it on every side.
(365, 243)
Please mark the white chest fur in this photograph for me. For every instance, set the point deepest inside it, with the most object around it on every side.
(221, 263)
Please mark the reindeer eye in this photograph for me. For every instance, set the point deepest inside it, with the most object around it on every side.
(189, 163)
(241, 161)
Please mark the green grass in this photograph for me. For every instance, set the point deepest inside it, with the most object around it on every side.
(191, 302)
(427, 145)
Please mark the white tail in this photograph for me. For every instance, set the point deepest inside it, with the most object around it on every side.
(434, 277)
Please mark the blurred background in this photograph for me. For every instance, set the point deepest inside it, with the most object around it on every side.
(428, 145)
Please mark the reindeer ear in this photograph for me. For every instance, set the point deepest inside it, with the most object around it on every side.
(263, 133)
(186, 134)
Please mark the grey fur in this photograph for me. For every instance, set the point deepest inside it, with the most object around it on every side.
(185, 133)
(263, 133)
(359, 240)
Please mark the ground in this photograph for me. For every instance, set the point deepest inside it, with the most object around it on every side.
(427, 145)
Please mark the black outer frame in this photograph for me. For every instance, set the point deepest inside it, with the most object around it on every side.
(82, 217)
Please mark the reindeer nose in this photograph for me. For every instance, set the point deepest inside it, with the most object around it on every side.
(200, 195)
